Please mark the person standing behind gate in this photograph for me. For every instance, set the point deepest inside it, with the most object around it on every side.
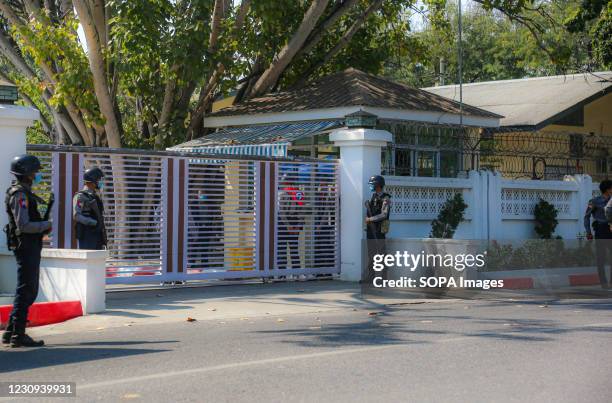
(597, 209)
(24, 234)
(291, 201)
(88, 212)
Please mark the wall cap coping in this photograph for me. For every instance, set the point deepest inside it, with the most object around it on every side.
(66, 253)
(359, 135)
(14, 114)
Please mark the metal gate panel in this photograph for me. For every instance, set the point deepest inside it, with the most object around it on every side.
(222, 221)
(134, 213)
(177, 217)
(307, 219)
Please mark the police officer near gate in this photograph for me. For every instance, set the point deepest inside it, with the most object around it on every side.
(378, 209)
(597, 209)
(24, 232)
(88, 212)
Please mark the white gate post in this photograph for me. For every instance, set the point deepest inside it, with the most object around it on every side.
(360, 158)
(13, 123)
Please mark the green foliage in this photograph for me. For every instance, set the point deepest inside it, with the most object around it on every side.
(36, 135)
(545, 219)
(449, 218)
(495, 47)
(594, 17)
(539, 254)
(51, 44)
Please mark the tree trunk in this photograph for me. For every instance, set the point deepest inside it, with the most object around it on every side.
(346, 38)
(98, 69)
(269, 78)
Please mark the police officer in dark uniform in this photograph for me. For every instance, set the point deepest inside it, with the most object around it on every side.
(88, 212)
(25, 232)
(378, 209)
(603, 235)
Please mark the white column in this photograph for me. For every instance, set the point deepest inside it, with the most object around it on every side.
(13, 123)
(582, 198)
(360, 158)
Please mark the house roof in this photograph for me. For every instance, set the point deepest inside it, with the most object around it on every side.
(351, 87)
(534, 102)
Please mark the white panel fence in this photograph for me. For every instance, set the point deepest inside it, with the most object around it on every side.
(497, 208)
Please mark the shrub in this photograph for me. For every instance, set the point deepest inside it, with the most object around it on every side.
(545, 219)
(449, 218)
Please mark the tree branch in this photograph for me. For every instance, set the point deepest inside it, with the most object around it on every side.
(269, 78)
(319, 33)
(219, 12)
(205, 100)
(346, 38)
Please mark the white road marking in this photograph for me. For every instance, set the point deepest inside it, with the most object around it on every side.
(265, 361)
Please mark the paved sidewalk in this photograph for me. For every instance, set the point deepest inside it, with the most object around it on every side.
(136, 307)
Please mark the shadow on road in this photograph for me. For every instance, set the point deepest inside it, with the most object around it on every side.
(25, 359)
(402, 325)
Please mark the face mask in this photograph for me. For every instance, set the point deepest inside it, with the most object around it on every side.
(100, 185)
(37, 178)
(202, 197)
(372, 188)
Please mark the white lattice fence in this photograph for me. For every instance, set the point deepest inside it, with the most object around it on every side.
(519, 198)
(423, 198)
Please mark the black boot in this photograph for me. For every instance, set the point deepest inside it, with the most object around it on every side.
(23, 340)
(8, 333)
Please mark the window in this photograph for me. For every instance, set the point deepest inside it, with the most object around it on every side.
(422, 151)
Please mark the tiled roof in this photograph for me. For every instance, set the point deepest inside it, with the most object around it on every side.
(351, 87)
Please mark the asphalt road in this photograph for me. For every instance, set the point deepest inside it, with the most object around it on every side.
(473, 351)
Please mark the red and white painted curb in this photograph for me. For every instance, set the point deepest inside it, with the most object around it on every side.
(544, 278)
(45, 313)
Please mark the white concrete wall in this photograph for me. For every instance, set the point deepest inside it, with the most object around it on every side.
(66, 275)
(497, 208)
(13, 123)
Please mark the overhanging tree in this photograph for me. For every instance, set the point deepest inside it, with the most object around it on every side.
(145, 72)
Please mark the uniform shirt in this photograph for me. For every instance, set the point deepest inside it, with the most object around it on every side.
(384, 211)
(19, 205)
(82, 207)
(291, 203)
(597, 209)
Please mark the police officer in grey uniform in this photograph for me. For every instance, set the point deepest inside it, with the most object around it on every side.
(88, 212)
(597, 210)
(25, 232)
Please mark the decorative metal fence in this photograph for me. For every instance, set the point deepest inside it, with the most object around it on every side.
(176, 217)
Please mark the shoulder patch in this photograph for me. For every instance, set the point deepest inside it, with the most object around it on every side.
(22, 201)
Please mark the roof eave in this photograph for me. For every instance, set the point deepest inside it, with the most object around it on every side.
(338, 113)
